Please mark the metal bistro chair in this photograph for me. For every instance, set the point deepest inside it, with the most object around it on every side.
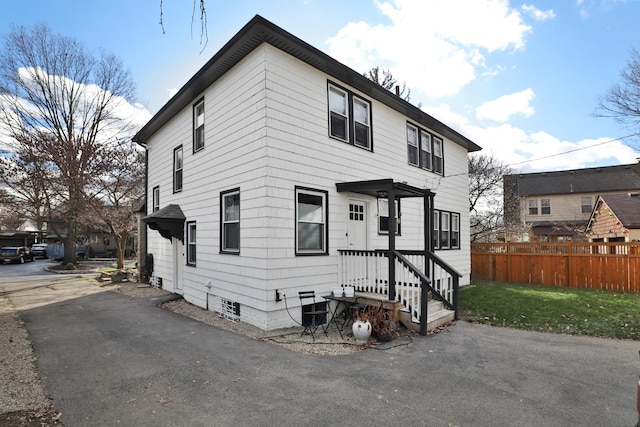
(314, 316)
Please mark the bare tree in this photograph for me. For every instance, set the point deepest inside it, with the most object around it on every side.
(485, 195)
(123, 188)
(385, 79)
(622, 101)
(202, 10)
(61, 105)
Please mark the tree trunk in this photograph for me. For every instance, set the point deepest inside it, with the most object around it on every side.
(70, 242)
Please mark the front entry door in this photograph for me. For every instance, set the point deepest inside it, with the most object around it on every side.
(357, 225)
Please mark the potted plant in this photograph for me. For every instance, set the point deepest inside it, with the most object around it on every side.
(382, 322)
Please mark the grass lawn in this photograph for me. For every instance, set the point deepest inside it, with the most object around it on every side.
(547, 309)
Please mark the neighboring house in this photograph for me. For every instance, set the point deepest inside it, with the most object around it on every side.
(277, 169)
(615, 218)
(555, 206)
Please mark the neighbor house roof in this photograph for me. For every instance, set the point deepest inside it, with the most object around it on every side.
(260, 30)
(626, 207)
(590, 180)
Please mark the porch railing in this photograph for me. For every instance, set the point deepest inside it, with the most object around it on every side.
(416, 273)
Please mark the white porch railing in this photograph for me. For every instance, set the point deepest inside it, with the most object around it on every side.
(415, 275)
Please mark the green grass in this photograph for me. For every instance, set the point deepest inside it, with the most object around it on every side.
(558, 310)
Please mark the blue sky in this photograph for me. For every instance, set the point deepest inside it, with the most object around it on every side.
(521, 79)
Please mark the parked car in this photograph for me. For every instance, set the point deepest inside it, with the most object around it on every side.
(18, 254)
(39, 250)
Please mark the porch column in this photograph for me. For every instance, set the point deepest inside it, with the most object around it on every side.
(393, 224)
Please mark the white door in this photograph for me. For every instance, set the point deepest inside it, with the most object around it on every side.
(357, 225)
(178, 264)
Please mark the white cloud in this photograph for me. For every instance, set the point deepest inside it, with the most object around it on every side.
(537, 14)
(431, 45)
(172, 91)
(501, 109)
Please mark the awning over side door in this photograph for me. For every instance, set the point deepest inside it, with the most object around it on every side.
(168, 221)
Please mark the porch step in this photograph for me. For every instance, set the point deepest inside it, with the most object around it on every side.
(437, 315)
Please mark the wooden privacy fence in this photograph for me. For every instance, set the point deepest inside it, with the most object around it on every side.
(611, 266)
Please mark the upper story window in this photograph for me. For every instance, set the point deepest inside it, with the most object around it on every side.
(533, 207)
(191, 243)
(230, 219)
(585, 205)
(424, 150)
(349, 117)
(177, 169)
(545, 206)
(198, 126)
(156, 199)
(311, 222)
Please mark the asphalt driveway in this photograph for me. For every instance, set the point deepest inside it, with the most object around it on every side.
(107, 359)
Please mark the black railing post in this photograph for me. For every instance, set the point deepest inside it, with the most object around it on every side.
(391, 197)
(456, 287)
(424, 291)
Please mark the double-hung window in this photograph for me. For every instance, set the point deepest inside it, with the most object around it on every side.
(585, 205)
(191, 243)
(383, 216)
(230, 219)
(437, 155)
(198, 126)
(455, 231)
(444, 230)
(311, 222)
(424, 150)
(545, 206)
(177, 169)
(349, 117)
(533, 206)
(156, 199)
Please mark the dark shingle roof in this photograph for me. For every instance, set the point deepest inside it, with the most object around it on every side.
(626, 207)
(260, 30)
(591, 180)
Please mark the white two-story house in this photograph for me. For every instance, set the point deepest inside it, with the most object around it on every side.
(276, 169)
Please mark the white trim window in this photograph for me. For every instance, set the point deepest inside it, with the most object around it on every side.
(545, 206)
(586, 205)
(177, 169)
(156, 199)
(230, 219)
(311, 222)
(424, 150)
(198, 126)
(349, 117)
(191, 243)
(533, 206)
(383, 216)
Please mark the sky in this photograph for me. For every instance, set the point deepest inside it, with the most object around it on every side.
(521, 79)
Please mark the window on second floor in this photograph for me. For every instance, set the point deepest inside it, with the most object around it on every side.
(156, 199)
(230, 221)
(198, 126)
(585, 205)
(545, 206)
(533, 206)
(424, 150)
(177, 169)
(349, 117)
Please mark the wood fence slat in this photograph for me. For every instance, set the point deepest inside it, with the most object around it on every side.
(604, 266)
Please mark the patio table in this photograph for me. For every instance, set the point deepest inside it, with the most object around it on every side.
(349, 303)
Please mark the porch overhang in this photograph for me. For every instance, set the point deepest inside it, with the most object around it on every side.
(381, 188)
(168, 221)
